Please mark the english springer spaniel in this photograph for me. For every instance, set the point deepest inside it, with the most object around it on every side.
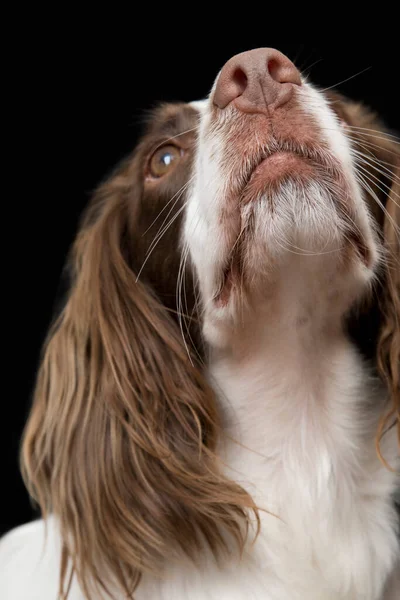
(216, 415)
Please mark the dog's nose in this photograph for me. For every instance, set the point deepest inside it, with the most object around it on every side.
(257, 80)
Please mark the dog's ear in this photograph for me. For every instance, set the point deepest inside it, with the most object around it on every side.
(377, 155)
(120, 442)
(389, 339)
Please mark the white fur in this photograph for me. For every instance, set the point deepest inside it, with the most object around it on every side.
(300, 407)
(298, 400)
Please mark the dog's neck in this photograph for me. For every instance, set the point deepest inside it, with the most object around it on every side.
(290, 382)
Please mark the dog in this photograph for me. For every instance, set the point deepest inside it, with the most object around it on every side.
(216, 414)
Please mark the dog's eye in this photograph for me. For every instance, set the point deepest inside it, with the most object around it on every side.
(164, 160)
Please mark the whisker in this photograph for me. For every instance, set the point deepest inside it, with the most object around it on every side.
(181, 286)
(373, 161)
(298, 54)
(161, 228)
(376, 137)
(159, 238)
(181, 271)
(354, 135)
(384, 133)
(185, 296)
(196, 303)
(368, 188)
(379, 183)
(186, 310)
(347, 79)
(305, 72)
(370, 147)
(164, 142)
(190, 317)
(182, 189)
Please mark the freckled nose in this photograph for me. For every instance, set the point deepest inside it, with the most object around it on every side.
(256, 81)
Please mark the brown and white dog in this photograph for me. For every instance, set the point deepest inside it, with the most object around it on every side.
(217, 410)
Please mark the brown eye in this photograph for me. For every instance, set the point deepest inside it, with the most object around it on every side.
(164, 160)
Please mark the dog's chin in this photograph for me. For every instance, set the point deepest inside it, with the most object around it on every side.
(296, 224)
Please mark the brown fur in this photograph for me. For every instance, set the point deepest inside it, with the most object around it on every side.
(370, 137)
(121, 441)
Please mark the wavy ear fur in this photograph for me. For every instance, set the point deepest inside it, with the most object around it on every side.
(121, 438)
(389, 340)
(381, 171)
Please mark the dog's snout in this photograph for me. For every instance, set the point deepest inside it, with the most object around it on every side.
(256, 80)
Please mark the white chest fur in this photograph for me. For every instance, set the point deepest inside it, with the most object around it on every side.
(306, 454)
(300, 439)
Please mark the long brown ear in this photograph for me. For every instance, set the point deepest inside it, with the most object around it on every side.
(121, 438)
(378, 155)
(389, 339)
(382, 155)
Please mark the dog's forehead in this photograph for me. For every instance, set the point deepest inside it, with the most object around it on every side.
(172, 118)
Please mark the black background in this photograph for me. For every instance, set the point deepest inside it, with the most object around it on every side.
(78, 90)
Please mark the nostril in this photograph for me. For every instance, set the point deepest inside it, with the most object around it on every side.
(282, 70)
(274, 67)
(253, 78)
(239, 77)
(232, 82)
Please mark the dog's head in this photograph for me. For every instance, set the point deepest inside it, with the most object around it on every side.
(279, 188)
(267, 189)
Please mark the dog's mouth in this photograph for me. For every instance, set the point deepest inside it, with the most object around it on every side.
(266, 172)
(274, 170)
(281, 163)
